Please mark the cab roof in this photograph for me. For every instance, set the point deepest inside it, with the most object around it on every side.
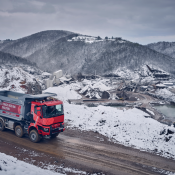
(48, 103)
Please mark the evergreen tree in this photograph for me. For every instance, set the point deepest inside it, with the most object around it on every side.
(98, 38)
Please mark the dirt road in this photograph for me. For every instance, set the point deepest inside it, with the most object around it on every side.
(85, 152)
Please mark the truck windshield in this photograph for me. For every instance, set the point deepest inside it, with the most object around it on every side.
(52, 111)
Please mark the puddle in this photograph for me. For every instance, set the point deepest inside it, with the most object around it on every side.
(167, 110)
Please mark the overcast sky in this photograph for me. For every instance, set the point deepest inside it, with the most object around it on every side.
(142, 21)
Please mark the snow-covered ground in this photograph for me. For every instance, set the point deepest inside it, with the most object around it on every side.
(11, 166)
(65, 92)
(128, 127)
(165, 94)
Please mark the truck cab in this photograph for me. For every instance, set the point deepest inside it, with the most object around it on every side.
(39, 116)
(48, 117)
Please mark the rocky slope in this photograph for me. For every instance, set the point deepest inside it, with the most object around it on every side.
(16, 73)
(167, 48)
(18, 78)
(73, 53)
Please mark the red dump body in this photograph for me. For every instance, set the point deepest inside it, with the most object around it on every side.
(10, 109)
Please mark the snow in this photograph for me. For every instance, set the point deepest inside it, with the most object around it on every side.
(10, 165)
(63, 79)
(94, 88)
(101, 86)
(94, 85)
(126, 73)
(65, 92)
(127, 127)
(86, 39)
(46, 74)
(14, 79)
(161, 85)
(168, 84)
(166, 94)
(91, 39)
(150, 111)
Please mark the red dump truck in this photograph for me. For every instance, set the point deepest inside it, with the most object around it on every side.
(39, 116)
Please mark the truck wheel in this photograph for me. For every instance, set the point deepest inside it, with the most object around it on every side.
(19, 131)
(54, 135)
(34, 136)
(2, 126)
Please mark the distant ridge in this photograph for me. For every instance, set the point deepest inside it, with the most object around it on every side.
(24, 47)
(6, 58)
(167, 48)
(73, 53)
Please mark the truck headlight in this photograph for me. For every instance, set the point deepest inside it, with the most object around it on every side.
(46, 129)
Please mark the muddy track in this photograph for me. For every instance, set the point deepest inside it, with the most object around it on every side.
(102, 157)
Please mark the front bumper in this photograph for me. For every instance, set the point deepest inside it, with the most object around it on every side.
(52, 129)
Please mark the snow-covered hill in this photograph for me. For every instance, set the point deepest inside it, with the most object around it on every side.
(73, 53)
(26, 46)
(167, 48)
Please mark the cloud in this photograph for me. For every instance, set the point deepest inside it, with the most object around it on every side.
(125, 18)
(27, 6)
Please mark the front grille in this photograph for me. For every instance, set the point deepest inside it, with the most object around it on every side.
(55, 128)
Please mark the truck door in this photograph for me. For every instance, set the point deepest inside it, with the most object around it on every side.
(37, 115)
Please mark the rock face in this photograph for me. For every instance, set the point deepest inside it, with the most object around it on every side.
(167, 48)
(74, 53)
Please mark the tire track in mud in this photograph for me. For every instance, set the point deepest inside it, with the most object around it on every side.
(119, 157)
(92, 155)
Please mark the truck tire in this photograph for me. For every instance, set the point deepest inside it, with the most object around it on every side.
(19, 131)
(54, 135)
(2, 126)
(34, 136)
